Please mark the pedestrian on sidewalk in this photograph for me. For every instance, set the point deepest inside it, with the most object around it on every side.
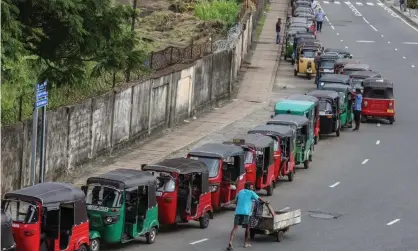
(319, 18)
(278, 29)
(244, 202)
(358, 100)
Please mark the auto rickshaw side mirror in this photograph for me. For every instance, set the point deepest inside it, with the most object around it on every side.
(84, 189)
(271, 116)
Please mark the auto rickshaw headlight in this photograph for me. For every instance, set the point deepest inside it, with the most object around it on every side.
(111, 219)
(213, 188)
(365, 103)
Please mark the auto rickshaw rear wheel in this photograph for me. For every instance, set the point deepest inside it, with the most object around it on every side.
(306, 164)
(295, 72)
(204, 220)
(83, 248)
(391, 120)
(94, 245)
(291, 175)
(316, 139)
(279, 236)
(252, 234)
(309, 76)
(150, 236)
(338, 132)
(270, 190)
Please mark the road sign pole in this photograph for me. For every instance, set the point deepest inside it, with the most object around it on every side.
(34, 142)
(42, 160)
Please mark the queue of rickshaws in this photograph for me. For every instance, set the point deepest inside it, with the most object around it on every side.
(325, 65)
(333, 79)
(357, 77)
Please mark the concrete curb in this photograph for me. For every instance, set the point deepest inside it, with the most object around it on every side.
(397, 11)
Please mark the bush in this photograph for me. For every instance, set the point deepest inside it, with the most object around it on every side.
(223, 10)
(412, 4)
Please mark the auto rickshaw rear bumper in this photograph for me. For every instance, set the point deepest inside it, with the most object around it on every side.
(375, 113)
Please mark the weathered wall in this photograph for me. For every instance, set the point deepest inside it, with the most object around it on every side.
(78, 133)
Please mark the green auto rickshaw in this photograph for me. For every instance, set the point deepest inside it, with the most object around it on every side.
(346, 102)
(304, 135)
(121, 207)
(329, 111)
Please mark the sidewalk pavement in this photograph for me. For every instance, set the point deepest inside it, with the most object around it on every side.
(410, 15)
(254, 95)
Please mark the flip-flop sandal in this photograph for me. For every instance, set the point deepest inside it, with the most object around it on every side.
(230, 248)
(247, 246)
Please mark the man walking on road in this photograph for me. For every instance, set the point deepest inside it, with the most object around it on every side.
(244, 202)
(278, 29)
(319, 18)
(358, 100)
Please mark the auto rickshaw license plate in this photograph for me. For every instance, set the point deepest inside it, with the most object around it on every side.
(390, 110)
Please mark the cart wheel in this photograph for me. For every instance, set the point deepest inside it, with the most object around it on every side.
(279, 236)
(150, 236)
(291, 175)
(94, 245)
(252, 235)
(204, 220)
(83, 248)
(270, 190)
(306, 164)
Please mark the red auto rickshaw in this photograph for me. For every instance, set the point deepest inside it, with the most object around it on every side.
(260, 165)
(185, 196)
(284, 136)
(317, 123)
(226, 171)
(378, 100)
(48, 216)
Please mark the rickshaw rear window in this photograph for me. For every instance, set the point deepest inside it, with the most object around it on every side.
(249, 157)
(356, 81)
(165, 182)
(325, 106)
(212, 164)
(103, 196)
(376, 93)
(308, 54)
(20, 211)
(327, 64)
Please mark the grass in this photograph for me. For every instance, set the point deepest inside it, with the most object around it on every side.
(221, 10)
(262, 21)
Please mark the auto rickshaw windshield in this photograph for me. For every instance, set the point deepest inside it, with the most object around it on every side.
(211, 163)
(105, 196)
(165, 182)
(308, 53)
(327, 64)
(325, 106)
(249, 157)
(356, 81)
(21, 211)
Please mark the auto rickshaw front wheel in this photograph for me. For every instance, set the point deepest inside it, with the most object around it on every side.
(306, 164)
(150, 236)
(291, 175)
(338, 132)
(94, 245)
(204, 220)
(269, 190)
(316, 139)
(391, 120)
(309, 75)
(280, 235)
(83, 248)
(295, 72)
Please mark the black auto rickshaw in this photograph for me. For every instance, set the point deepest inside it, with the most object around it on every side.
(341, 63)
(325, 65)
(343, 53)
(357, 77)
(7, 241)
(333, 79)
(350, 68)
(329, 111)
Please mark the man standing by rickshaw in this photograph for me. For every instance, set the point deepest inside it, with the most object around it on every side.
(358, 100)
(319, 18)
(278, 29)
(244, 202)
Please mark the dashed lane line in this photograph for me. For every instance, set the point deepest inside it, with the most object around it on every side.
(378, 142)
(374, 28)
(365, 41)
(365, 161)
(392, 222)
(198, 241)
(414, 43)
(335, 184)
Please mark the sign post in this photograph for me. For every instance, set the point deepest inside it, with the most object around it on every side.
(41, 101)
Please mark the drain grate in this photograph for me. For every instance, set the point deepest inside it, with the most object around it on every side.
(324, 215)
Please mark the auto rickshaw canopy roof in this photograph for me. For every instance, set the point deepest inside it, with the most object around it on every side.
(48, 193)
(345, 61)
(365, 74)
(124, 178)
(324, 94)
(339, 51)
(338, 78)
(360, 67)
(178, 165)
(337, 87)
(217, 150)
(274, 130)
(301, 97)
(288, 119)
(329, 57)
(296, 106)
(378, 83)
(255, 140)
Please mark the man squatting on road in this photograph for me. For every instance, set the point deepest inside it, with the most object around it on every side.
(244, 202)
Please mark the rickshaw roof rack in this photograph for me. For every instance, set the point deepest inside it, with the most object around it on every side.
(178, 165)
(274, 130)
(301, 97)
(289, 119)
(334, 77)
(357, 66)
(329, 56)
(336, 86)
(123, 178)
(217, 150)
(364, 74)
(341, 51)
(48, 193)
(305, 33)
(324, 94)
(257, 140)
(377, 83)
(347, 61)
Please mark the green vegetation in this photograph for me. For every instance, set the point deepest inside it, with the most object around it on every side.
(261, 23)
(222, 10)
(413, 4)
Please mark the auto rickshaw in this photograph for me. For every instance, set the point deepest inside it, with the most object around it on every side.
(350, 68)
(306, 61)
(261, 169)
(48, 216)
(317, 122)
(290, 36)
(7, 241)
(226, 171)
(357, 77)
(378, 100)
(325, 65)
(304, 139)
(121, 207)
(329, 110)
(183, 191)
(298, 37)
(346, 103)
(341, 63)
(285, 139)
(341, 52)
(333, 79)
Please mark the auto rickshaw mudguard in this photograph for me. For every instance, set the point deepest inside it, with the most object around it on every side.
(94, 235)
(82, 241)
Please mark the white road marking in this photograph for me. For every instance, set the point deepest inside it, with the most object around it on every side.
(338, 34)
(347, 3)
(364, 161)
(413, 66)
(396, 16)
(388, 42)
(199, 241)
(393, 222)
(335, 184)
(365, 20)
(332, 27)
(370, 4)
(326, 18)
(378, 142)
(360, 4)
(325, 2)
(379, 3)
(284, 209)
(410, 43)
(373, 28)
(342, 40)
(346, 47)
(336, 2)
(364, 41)
(354, 10)
(396, 49)
(378, 124)
(404, 57)
(381, 35)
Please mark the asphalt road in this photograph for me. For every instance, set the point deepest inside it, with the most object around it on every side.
(373, 171)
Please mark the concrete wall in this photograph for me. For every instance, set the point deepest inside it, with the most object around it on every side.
(79, 133)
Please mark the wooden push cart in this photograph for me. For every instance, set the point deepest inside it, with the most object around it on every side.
(275, 223)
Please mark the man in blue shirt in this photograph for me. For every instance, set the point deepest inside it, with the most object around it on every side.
(319, 18)
(358, 100)
(244, 201)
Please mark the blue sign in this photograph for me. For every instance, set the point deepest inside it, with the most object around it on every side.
(41, 95)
